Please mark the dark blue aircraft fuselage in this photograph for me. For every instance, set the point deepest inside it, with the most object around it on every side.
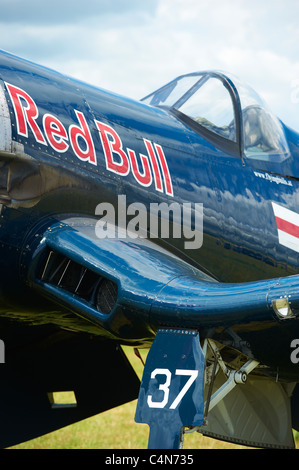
(78, 145)
(239, 222)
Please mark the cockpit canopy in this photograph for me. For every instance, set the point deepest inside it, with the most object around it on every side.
(226, 112)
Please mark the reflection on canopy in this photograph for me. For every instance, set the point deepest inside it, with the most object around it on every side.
(208, 99)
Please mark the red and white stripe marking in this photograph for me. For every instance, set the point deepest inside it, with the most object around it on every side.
(287, 222)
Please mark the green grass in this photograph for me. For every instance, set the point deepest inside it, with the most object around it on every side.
(115, 429)
(112, 430)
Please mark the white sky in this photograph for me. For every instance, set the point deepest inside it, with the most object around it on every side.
(133, 47)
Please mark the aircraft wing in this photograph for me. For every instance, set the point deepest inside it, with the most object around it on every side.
(223, 357)
(104, 281)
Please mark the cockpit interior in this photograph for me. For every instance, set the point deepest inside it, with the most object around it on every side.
(226, 112)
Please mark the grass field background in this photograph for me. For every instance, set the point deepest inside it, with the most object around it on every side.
(116, 429)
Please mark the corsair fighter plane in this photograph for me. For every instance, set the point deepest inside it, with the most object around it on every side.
(170, 223)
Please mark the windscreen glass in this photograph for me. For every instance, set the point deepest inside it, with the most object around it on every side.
(202, 98)
(263, 135)
(171, 93)
(211, 106)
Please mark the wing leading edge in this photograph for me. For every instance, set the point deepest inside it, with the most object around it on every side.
(140, 287)
(105, 282)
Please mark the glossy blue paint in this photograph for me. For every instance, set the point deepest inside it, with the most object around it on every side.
(55, 170)
(240, 241)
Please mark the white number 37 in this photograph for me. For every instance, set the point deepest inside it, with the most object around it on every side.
(165, 387)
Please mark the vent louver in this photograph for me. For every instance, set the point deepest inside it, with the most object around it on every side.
(72, 277)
